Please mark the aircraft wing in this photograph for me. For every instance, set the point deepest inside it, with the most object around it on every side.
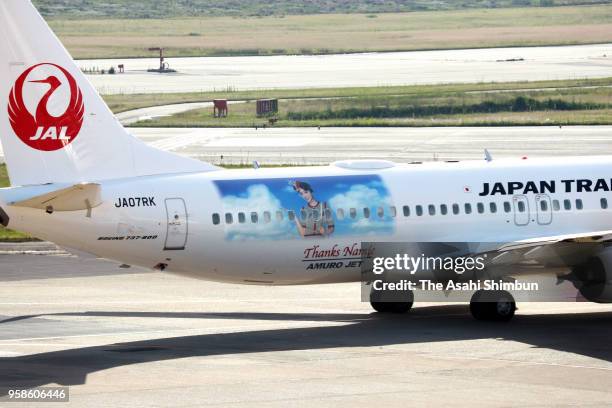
(560, 250)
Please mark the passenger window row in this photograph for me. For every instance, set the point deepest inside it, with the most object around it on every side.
(267, 216)
(380, 212)
(304, 214)
(567, 204)
(455, 209)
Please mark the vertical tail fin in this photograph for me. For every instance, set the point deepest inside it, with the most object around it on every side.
(54, 127)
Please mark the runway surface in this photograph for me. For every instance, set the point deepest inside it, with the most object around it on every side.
(130, 337)
(321, 146)
(305, 146)
(344, 70)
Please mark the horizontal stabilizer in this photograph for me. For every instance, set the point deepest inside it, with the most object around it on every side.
(78, 197)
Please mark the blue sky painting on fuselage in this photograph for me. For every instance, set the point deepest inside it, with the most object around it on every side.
(306, 207)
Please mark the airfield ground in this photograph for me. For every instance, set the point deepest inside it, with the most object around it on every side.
(298, 72)
(130, 337)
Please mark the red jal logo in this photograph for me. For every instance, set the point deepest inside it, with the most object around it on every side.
(45, 131)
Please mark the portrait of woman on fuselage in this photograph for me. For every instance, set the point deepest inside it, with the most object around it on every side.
(315, 218)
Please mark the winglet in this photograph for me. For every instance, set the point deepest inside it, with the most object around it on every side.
(488, 156)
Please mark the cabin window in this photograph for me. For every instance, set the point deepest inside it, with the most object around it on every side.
(556, 205)
(579, 205)
(431, 209)
(493, 208)
(443, 209)
(254, 217)
(303, 214)
(315, 214)
(340, 213)
(291, 215)
(604, 203)
(266, 216)
(468, 208)
(543, 205)
(216, 219)
(393, 211)
(480, 208)
(229, 218)
(279, 215)
(507, 206)
(567, 204)
(366, 212)
(328, 214)
(380, 212)
(353, 213)
(521, 206)
(241, 218)
(455, 209)
(406, 210)
(419, 210)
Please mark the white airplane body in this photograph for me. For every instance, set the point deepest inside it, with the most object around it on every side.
(204, 252)
(80, 180)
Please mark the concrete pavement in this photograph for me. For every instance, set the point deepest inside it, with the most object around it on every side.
(130, 337)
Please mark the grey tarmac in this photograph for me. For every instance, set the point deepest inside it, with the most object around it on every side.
(132, 337)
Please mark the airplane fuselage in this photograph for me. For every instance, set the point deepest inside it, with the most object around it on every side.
(242, 225)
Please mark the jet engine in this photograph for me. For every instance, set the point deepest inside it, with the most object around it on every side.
(594, 277)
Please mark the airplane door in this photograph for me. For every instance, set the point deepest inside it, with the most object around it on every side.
(176, 236)
(521, 209)
(543, 208)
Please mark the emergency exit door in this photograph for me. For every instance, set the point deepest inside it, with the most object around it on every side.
(176, 235)
(544, 209)
(521, 209)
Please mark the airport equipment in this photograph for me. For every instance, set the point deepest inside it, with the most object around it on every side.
(220, 108)
(164, 67)
(267, 107)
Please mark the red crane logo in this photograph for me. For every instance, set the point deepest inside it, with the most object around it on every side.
(44, 131)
